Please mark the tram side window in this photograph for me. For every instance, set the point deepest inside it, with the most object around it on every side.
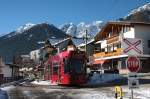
(55, 67)
(66, 66)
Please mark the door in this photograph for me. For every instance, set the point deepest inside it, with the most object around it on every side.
(55, 72)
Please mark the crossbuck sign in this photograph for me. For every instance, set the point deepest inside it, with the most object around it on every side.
(132, 46)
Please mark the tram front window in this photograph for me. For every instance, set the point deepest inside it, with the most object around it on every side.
(76, 65)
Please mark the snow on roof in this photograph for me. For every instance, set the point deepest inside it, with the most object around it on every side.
(25, 56)
(83, 44)
(62, 41)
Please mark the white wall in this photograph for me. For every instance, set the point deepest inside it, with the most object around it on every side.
(35, 55)
(143, 32)
(129, 34)
(7, 71)
(104, 44)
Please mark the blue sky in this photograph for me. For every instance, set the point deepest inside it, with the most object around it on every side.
(14, 13)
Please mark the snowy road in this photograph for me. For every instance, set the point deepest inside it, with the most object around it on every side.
(36, 90)
(3, 95)
(47, 92)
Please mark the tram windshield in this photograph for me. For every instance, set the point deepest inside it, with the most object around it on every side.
(76, 65)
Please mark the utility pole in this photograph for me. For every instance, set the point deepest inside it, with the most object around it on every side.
(86, 40)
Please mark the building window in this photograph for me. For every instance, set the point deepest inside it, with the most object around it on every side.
(97, 47)
(109, 49)
(102, 50)
(125, 29)
(118, 45)
(110, 34)
(123, 64)
(148, 43)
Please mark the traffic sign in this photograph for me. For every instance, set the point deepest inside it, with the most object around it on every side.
(132, 46)
(133, 83)
(133, 75)
(133, 80)
(133, 64)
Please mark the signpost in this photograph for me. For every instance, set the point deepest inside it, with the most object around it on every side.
(133, 65)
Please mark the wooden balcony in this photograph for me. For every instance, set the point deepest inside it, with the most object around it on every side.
(108, 54)
(112, 39)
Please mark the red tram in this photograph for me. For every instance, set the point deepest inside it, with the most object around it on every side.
(67, 68)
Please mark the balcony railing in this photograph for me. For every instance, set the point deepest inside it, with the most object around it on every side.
(112, 39)
(108, 54)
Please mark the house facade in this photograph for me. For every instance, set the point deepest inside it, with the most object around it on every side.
(109, 45)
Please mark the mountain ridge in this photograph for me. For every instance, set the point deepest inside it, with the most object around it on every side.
(140, 14)
(16, 43)
(78, 30)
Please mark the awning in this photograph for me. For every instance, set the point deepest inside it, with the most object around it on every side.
(101, 61)
(111, 57)
(121, 56)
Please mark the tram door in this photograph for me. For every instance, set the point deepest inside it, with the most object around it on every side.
(56, 72)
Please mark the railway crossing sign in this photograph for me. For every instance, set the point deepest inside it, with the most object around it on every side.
(133, 64)
(132, 46)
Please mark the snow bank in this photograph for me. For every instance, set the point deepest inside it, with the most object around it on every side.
(103, 78)
(7, 88)
(51, 90)
(41, 82)
(95, 96)
(140, 93)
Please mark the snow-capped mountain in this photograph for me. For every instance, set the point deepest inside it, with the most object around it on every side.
(140, 9)
(69, 29)
(79, 29)
(24, 27)
(27, 38)
(141, 14)
(19, 30)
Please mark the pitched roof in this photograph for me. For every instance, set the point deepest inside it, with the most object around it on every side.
(64, 43)
(117, 23)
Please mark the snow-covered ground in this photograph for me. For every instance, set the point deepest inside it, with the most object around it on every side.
(3, 91)
(41, 82)
(99, 93)
(143, 92)
(7, 88)
(96, 79)
(103, 92)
